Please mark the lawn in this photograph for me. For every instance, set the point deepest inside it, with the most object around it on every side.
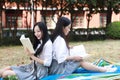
(107, 49)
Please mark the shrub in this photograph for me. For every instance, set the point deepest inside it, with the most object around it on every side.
(81, 34)
(8, 38)
(9, 41)
(113, 30)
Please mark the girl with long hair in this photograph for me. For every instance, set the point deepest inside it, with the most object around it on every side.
(40, 60)
(62, 62)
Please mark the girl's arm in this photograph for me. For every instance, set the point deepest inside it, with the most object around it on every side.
(76, 58)
(46, 55)
(34, 57)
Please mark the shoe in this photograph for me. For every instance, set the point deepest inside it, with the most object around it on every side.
(111, 69)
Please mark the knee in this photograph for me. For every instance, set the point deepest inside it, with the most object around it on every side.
(8, 73)
(82, 63)
(4, 74)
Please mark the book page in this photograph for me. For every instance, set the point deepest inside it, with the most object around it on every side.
(27, 43)
(78, 51)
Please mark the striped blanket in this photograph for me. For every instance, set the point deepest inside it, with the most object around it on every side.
(82, 74)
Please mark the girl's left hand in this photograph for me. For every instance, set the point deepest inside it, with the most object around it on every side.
(28, 52)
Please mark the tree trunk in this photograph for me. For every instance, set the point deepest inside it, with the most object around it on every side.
(1, 25)
(88, 16)
(109, 15)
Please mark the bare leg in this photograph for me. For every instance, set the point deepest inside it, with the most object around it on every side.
(8, 73)
(90, 66)
(3, 71)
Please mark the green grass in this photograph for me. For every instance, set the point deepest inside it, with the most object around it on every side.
(12, 55)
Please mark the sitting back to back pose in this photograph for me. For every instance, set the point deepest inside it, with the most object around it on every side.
(40, 60)
(62, 62)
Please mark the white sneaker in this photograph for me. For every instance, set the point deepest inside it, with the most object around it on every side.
(111, 69)
(108, 66)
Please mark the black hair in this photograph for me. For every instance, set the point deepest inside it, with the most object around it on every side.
(45, 37)
(61, 23)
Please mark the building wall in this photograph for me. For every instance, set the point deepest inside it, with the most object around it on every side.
(115, 17)
(3, 19)
(95, 21)
(24, 20)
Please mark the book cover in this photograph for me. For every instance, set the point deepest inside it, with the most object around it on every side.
(78, 50)
(27, 43)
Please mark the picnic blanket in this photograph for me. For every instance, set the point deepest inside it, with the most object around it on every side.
(83, 74)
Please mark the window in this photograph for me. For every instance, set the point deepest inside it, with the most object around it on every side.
(13, 19)
(102, 19)
(19, 22)
(49, 20)
(78, 21)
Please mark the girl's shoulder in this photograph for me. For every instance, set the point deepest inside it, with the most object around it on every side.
(49, 42)
(59, 39)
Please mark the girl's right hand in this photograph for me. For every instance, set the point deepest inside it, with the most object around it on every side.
(28, 52)
(77, 58)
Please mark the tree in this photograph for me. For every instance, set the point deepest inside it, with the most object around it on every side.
(113, 5)
(62, 7)
(91, 9)
(108, 6)
(18, 4)
(98, 6)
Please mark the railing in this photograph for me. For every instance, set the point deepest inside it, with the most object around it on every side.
(91, 31)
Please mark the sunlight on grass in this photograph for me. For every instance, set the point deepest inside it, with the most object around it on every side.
(108, 49)
(12, 55)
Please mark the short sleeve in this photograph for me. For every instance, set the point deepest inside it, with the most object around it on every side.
(47, 51)
(60, 49)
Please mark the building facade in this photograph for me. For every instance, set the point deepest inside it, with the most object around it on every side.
(22, 18)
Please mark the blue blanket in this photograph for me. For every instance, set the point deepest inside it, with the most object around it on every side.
(1, 78)
(85, 75)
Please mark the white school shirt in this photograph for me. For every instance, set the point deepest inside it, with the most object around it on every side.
(46, 53)
(60, 50)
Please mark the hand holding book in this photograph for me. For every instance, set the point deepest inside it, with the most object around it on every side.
(78, 50)
(27, 43)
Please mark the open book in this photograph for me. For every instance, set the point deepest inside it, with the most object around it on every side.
(78, 50)
(27, 43)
